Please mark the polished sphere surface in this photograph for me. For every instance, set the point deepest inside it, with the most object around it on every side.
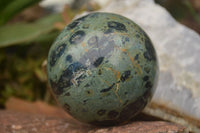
(102, 69)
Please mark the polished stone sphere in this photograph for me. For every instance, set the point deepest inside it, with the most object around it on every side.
(102, 69)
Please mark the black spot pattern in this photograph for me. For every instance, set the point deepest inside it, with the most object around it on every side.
(77, 37)
(107, 89)
(136, 57)
(73, 25)
(109, 31)
(94, 54)
(69, 58)
(148, 85)
(145, 78)
(99, 72)
(76, 22)
(57, 54)
(117, 26)
(125, 75)
(56, 89)
(128, 112)
(67, 108)
(125, 39)
(89, 91)
(150, 53)
(65, 79)
(85, 101)
(87, 85)
(98, 61)
(137, 35)
(67, 94)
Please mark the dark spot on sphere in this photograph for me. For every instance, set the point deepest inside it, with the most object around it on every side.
(55, 88)
(65, 79)
(127, 39)
(84, 101)
(67, 94)
(117, 26)
(88, 92)
(148, 85)
(106, 61)
(99, 72)
(150, 53)
(136, 57)
(125, 75)
(87, 85)
(109, 31)
(67, 107)
(101, 112)
(93, 41)
(69, 58)
(107, 89)
(137, 35)
(75, 67)
(112, 114)
(57, 54)
(147, 56)
(128, 112)
(77, 37)
(98, 61)
(145, 78)
(73, 25)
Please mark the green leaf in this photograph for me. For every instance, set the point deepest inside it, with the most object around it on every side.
(11, 7)
(4, 4)
(25, 33)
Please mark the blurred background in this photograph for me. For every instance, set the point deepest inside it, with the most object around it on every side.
(28, 28)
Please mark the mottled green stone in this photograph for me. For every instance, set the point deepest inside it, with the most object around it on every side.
(102, 69)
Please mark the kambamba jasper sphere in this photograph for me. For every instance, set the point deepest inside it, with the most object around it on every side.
(102, 69)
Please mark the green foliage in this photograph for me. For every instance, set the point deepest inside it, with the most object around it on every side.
(22, 74)
(31, 32)
(21, 71)
(11, 7)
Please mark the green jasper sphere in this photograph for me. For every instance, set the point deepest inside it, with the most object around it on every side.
(102, 69)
